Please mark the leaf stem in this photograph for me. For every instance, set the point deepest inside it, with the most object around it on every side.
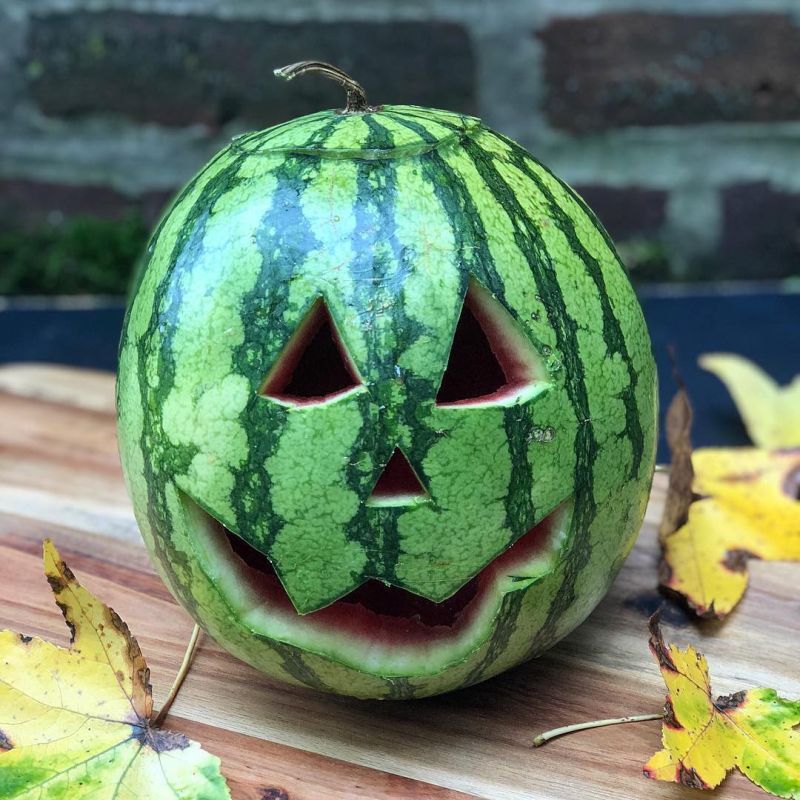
(183, 671)
(545, 737)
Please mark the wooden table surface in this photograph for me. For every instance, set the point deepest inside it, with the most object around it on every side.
(60, 477)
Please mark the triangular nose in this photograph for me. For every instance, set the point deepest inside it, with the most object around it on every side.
(398, 484)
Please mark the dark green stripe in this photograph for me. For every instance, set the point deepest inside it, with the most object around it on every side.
(612, 331)
(404, 117)
(404, 332)
(399, 689)
(454, 195)
(270, 133)
(529, 242)
(158, 336)
(294, 664)
(176, 201)
(375, 529)
(519, 429)
(185, 254)
(503, 631)
(283, 229)
(468, 230)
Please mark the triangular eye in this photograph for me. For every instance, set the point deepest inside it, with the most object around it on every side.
(314, 366)
(491, 359)
(398, 484)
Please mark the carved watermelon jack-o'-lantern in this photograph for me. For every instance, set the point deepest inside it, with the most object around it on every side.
(386, 401)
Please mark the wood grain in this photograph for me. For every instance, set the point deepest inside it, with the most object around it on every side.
(60, 477)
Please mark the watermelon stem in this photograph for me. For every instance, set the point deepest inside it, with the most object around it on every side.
(356, 96)
(545, 737)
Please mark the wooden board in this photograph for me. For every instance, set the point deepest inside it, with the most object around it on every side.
(60, 477)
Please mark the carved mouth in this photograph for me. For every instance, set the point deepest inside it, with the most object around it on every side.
(375, 622)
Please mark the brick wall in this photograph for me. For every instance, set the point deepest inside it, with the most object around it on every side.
(680, 125)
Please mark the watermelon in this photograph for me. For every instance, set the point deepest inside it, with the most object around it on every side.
(386, 402)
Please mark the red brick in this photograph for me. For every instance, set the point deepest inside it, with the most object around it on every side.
(625, 69)
(178, 70)
(28, 203)
(627, 212)
(760, 233)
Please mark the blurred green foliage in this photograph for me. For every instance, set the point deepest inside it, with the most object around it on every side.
(647, 260)
(81, 255)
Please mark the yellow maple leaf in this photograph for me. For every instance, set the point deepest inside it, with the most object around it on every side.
(748, 508)
(75, 722)
(771, 413)
(754, 731)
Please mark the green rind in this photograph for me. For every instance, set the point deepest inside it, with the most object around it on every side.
(390, 241)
